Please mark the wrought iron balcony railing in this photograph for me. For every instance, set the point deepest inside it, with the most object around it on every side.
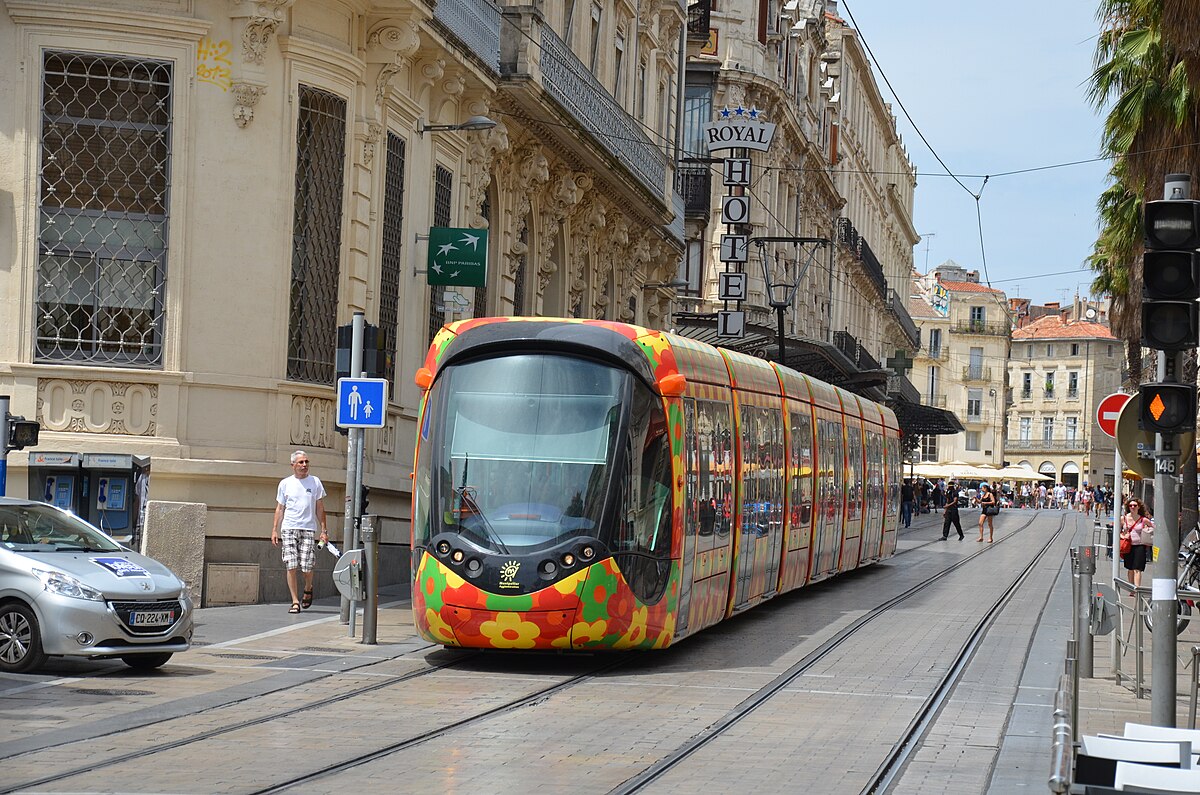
(1026, 394)
(941, 353)
(1047, 445)
(980, 327)
(694, 183)
(531, 51)
(849, 237)
(476, 24)
(979, 418)
(848, 344)
(698, 13)
(896, 304)
(977, 373)
(902, 387)
(937, 401)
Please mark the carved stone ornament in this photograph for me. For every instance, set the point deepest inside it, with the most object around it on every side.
(312, 422)
(245, 97)
(392, 45)
(370, 140)
(262, 18)
(83, 406)
(482, 150)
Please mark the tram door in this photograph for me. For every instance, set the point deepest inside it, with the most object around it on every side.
(831, 462)
(761, 531)
(709, 509)
(800, 499)
(872, 536)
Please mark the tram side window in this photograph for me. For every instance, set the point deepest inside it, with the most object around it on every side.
(646, 527)
(714, 481)
(832, 464)
(692, 465)
(855, 486)
(762, 476)
(801, 464)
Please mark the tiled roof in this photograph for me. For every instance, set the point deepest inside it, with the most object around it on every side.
(920, 308)
(969, 287)
(1053, 327)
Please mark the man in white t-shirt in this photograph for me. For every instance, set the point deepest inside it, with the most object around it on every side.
(299, 514)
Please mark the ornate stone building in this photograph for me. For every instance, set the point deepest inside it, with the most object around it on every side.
(194, 194)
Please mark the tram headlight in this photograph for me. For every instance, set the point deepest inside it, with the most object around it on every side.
(568, 560)
(474, 567)
(588, 553)
(443, 548)
(458, 556)
(548, 568)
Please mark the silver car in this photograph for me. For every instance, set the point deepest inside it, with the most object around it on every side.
(68, 589)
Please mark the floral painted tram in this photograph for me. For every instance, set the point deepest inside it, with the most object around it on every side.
(584, 484)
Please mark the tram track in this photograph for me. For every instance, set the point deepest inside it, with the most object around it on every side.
(910, 739)
(142, 752)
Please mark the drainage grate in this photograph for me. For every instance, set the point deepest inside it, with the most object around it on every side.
(322, 649)
(99, 692)
(247, 656)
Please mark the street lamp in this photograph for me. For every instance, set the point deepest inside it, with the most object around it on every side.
(473, 123)
(779, 295)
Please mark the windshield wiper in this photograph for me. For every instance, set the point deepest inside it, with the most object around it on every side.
(468, 499)
(76, 548)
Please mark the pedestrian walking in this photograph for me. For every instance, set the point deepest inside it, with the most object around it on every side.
(299, 514)
(906, 502)
(1137, 536)
(950, 513)
(988, 508)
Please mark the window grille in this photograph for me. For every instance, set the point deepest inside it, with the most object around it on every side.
(443, 184)
(485, 212)
(393, 247)
(519, 271)
(104, 182)
(316, 236)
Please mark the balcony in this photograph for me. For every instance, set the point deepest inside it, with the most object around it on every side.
(698, 13)
(896, 305)
(849, 237)
(980, 327)
(476, 25)
(900, 386)
(979, 418)
(1049, 393)
(694, 183)
(976, 373)
(941, 353)
(848, 344)
(1046, 445)
(545, 79)
(1072, 394)
(937, 401)
(1026, 394)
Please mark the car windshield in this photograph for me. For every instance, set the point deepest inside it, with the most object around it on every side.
(44, 528)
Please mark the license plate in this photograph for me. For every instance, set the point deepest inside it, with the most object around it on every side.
(151, 618)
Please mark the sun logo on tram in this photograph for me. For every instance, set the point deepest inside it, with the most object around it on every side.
(508, 574)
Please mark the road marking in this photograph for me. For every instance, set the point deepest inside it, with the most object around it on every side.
(290, 628)
(39, 685)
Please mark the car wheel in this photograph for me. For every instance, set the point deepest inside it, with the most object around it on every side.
(20, 639)
(146, 662)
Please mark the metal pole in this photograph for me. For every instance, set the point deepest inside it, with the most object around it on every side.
(359, 444)
(779, 330)
(1118, 498)
(1087, 567)
(1163, 606)
(356, 357)
(5, 430)
(371, 558)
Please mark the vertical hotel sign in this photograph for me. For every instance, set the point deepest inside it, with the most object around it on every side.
(738, 129)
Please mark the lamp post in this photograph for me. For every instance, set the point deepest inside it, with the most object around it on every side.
(779, 295)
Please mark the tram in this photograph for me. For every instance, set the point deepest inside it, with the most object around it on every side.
(586, 484)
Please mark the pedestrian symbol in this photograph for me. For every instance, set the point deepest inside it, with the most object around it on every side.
(361, 402)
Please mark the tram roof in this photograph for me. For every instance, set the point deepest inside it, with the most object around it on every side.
(825, 362)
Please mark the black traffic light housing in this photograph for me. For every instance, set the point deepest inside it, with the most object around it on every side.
(22, 433)
(1168, 408)
(1171, 275)
(364, 499)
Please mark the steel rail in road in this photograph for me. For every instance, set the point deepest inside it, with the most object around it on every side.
(907, 743)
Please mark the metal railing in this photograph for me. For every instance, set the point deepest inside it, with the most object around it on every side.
(899, 385)
(848, 344)
(848, 236)
(896, 304)
(698, 14)
(694, 183)
(940, 353)
(980, 327)
(1026, 394)
(476, 25)
(1046, 444)
(974, 373)
(978, 418)
(938, 401)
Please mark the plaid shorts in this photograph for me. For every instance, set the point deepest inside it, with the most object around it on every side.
(299, 548)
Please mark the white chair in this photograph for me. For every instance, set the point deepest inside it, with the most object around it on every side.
(1155, 780)
(1143, 731)
(1176, 753)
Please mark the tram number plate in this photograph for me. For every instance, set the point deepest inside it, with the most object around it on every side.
(1164, 466)
(151, 618)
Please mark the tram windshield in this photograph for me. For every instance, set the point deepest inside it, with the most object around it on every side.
(520, 448)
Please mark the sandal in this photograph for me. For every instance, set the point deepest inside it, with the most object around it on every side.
(306, 599)
(295, 607)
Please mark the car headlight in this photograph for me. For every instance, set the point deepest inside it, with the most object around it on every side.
(66, 585)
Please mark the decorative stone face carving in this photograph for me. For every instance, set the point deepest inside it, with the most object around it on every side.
(245, 97)
(82, 406)
(482, 151)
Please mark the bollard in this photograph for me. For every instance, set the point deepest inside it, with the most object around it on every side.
(1071, 671)
(1087, 567)
(1195, 687)
(1061, 755)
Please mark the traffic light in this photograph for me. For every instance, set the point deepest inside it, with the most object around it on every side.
(1171, 278)
(1168, 408)
(22, 433)
(364, 499)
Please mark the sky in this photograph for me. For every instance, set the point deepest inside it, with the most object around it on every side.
(996, 88)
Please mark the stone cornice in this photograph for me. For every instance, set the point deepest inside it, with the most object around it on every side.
(340, 63)
(58, 15)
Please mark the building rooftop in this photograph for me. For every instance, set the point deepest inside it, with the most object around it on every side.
(969, 287)
(919, 309)
(1053, 327)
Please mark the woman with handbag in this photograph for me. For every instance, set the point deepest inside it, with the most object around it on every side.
(1137, 536)
(988, 509)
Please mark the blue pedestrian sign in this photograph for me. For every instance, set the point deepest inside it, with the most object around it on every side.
(361, 402)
